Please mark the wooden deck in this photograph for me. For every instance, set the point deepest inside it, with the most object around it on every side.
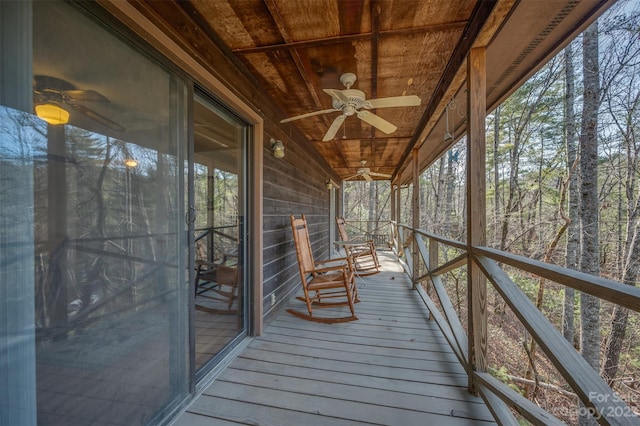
(391, 367)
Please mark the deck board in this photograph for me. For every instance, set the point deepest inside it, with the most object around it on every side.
(390, 367)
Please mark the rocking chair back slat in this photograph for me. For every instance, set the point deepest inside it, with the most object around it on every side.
(303, 245)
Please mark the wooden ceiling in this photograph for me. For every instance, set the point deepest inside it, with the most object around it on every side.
(293, 49)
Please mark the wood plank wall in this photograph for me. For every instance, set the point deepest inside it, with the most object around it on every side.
(295, 185)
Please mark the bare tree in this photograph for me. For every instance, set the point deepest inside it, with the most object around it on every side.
(623, 105)
(571, 256)
(589, 238)
(496, 170)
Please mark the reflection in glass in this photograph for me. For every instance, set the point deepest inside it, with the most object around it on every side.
(219, 297)
(109, 243)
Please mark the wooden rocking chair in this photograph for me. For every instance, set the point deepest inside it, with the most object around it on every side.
(365, 258)
(216, 282)
(326, 284)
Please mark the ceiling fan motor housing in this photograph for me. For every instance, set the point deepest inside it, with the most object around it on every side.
(355, 100)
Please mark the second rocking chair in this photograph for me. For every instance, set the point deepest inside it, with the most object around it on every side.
(326, 284)
(365, 258)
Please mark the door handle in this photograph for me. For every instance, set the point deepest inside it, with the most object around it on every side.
(190, 216)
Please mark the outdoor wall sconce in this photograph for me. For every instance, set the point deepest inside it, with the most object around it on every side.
(329, 185)
(278, 148)
(52, 113)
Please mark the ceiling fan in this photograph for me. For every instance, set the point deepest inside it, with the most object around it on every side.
(366, 173)
(353, 102)
(50, 94)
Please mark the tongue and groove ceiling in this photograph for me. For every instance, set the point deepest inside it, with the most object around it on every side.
(293, 49)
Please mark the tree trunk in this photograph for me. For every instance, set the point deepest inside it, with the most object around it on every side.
(571, 257)
(590, 254)
(449, 220)
(531, 391)
(620, 315)
(496, 172)
(439, 195)
(512, 202)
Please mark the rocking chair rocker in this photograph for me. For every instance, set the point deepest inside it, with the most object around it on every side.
(326, 284)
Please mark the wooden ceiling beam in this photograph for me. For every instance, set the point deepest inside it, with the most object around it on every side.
(272, 7)
(451, 26)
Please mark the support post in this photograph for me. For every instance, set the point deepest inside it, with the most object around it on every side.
(476, 210)
(415, 216)
(399, 204)
(393, 218)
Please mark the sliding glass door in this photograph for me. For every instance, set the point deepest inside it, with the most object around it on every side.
(110, 248)
(219, 316)
(112, 305)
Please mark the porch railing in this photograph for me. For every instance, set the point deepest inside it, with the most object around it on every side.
(415, 245)
(380, 232)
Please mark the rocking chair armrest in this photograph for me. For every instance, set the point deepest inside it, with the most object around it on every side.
(338, 267)
(367, 243)
(345, 260)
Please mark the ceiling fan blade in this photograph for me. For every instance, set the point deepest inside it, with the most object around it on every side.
(367, 177)
(97, 117)
(377, 122)
(337, 95)
(384, 175)
(310, 114)
(394, 101)
(333, 129)
(83, 95)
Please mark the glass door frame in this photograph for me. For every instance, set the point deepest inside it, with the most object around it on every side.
(198, 375)
(137, 22)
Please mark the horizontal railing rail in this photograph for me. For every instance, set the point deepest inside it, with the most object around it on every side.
(415, 245)
(378, 231)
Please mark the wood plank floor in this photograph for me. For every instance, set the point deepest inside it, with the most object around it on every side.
(390, 367)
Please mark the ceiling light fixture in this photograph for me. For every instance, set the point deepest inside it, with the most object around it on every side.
(52, 113)
(278, 148)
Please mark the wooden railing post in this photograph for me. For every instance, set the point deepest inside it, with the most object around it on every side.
(394, 191)
(433, 263)
(394, 218)
(476, 210)
(415, 205)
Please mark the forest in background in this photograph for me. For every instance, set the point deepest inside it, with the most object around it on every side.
(562, 187)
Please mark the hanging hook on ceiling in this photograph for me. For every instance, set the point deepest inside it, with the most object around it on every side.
(447, 134)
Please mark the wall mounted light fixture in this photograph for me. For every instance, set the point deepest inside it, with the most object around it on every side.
(331, 184)
(278, 148)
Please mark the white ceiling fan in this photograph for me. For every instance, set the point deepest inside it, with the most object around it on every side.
(353, 102)
(366, 173)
